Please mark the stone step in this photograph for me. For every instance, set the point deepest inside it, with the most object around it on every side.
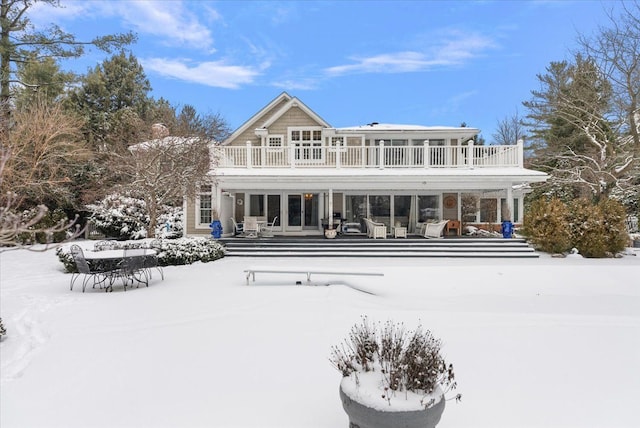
(364, 247)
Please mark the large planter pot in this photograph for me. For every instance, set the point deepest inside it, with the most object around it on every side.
(362, 416)
(330, 233)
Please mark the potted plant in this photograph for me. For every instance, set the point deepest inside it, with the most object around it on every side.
(392, 377)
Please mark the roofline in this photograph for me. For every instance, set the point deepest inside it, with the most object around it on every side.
(295, 102)
(247, 124)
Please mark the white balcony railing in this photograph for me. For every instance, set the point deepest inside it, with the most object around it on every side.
(370, 156)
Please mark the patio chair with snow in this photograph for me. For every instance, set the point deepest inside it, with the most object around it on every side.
(251, 228)
(98, 275)
(238, 228)
(267, 229)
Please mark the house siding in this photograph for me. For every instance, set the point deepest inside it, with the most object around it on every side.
(249, 134)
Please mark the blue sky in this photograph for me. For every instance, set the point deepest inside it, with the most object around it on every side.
(352, 62)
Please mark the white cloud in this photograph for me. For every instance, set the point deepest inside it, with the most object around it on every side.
(212, 73)
(305, 84)
(169, 20)
(455, 49)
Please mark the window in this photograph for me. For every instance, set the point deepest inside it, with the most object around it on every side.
(256, 205)
(401, 209)
(308, 144)
(275, 141)
(337, 141)
(205, 207)
(428, 208)
(488, 210)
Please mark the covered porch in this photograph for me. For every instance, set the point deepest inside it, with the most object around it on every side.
(306, 204)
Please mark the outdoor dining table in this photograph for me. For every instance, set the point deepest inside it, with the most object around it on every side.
(113, 260)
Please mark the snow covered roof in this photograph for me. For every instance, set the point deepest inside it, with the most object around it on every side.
(385, 127)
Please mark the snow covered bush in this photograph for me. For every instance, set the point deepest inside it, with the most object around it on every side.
(3, 331)
(170, 252)
(406, 361)
(119, 216)
(49, 222)
(170, 223)
(123, 217)
(184, 251)
(598, 230)
(594, 230)
(546, 225)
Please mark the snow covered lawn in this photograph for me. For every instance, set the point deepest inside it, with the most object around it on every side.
(535, 343)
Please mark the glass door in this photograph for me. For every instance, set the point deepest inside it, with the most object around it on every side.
(294, 212)
(302, 211)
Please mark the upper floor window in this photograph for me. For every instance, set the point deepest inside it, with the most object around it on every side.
(275, 141)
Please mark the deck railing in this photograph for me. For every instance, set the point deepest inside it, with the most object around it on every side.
(468, 156)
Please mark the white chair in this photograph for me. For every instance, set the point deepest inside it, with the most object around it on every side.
(267, 229)
(434, 230)
(376, 230)
(250, 228)
(238, 228)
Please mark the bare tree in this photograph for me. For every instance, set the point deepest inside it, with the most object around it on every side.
(15, 222)
(616, 51)
(43, 148)
(164, 170)
(510, 130)
(36, 157)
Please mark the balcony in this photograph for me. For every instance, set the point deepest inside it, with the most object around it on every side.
(381, 157)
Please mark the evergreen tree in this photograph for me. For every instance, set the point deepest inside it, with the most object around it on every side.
(113, 98)
(21, 43)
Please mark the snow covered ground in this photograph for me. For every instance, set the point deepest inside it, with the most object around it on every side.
(535, 343)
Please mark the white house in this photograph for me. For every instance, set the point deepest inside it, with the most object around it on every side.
(286, 161)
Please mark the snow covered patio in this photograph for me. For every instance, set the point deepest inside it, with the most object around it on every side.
(535, 342)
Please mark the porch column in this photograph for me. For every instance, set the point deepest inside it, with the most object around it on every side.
(218, 201)
(330, 219)
(510, 203)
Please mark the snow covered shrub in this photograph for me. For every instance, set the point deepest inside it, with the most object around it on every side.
(546, 225)
(184, 251)
(124, 217)
(119, 216)
(3, 331)
(598, 230)
(170, 252)
(67, 260)
(170, 223)
(50, 220)
(406, 361)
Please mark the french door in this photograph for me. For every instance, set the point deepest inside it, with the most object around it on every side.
(302, 212)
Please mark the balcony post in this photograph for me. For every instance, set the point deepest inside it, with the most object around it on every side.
(520, 145)
(292, 152)
(381, 155)
(338, 154)
(471, 154)
(249, 155)
(426, 156)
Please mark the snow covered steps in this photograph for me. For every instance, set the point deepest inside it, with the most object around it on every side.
(366, 247)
